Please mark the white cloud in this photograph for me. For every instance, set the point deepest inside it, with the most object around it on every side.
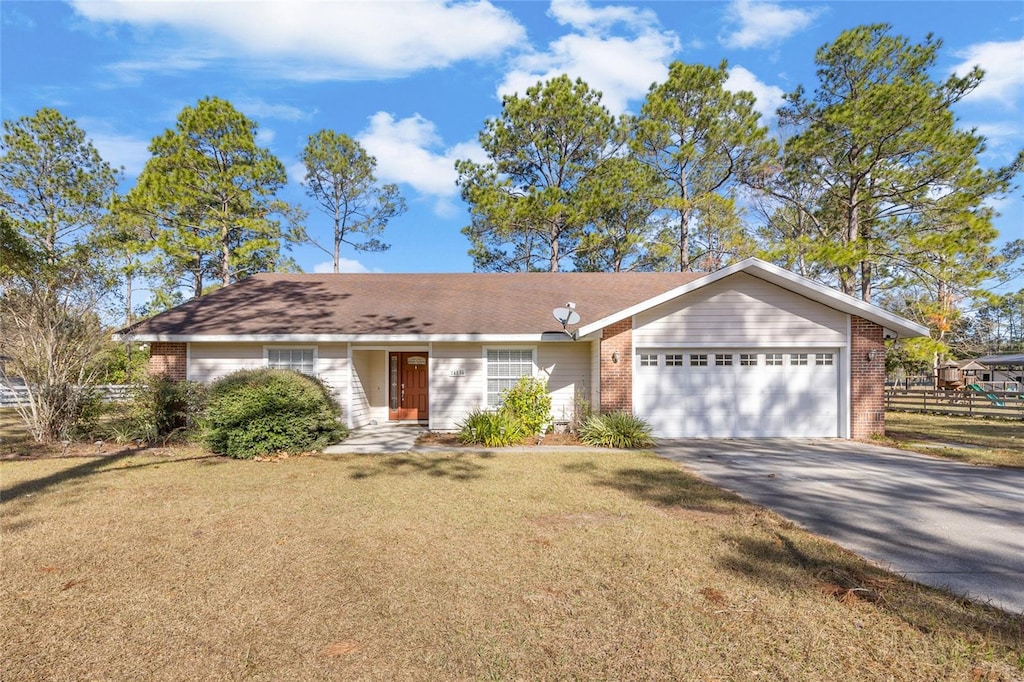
(410, 151)
(622, 67)
(258, 109)
(265, 137)
(117, 149)
(769, 97)
(1003, 63)
(319, 40)
(345, 265)
(580, 15)
(763, 24)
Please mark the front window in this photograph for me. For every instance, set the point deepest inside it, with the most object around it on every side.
(504, 368)
(298, 359)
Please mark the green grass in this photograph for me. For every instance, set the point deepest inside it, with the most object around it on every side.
(976, 440)
(448, 566)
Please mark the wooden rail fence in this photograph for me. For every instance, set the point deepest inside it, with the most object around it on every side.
(1003, 404)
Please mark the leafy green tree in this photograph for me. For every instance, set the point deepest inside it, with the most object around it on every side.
(340, 179)
(211, 191)
(55, 190)
(624, 234)
(885, 177)
(529, 204)
(704, 142)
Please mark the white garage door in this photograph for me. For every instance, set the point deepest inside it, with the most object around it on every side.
(738, 393)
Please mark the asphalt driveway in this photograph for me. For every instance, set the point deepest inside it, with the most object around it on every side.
(938, 522)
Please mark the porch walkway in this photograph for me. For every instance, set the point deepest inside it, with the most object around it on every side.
(379, 439)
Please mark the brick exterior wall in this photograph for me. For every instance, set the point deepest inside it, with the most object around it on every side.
(617, 377)
(867, 379)
(170, 359)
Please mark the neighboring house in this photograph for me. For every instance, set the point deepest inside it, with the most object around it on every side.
(748, 351)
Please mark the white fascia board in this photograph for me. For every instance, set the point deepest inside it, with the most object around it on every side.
(785, 279)
(345, 338)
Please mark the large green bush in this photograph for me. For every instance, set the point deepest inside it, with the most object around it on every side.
(616, 430)
(260, 412)
(530, 403)
(491, 429)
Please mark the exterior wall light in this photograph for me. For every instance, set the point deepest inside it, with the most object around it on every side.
(615, 357)
(872, 354)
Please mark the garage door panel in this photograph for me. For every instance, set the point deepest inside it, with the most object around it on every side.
(739, 400)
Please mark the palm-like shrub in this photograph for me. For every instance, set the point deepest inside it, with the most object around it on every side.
(491, 429)
(260, 412)
(616, 430)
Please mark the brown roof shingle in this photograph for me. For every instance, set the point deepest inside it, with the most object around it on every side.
(406, 304)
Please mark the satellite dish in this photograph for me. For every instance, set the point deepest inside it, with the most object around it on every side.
(566, 316)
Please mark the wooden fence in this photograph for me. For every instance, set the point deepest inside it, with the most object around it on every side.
(1003, 404)
(12, 395)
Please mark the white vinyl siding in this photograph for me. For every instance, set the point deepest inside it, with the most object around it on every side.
(566, 367)
(456, 383)
(505, 366)
(740, 311)
(211, 361)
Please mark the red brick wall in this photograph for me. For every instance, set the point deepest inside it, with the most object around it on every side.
(617, 377)
(867, 379)
(170, 359)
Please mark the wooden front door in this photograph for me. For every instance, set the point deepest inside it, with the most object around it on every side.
(407, 386)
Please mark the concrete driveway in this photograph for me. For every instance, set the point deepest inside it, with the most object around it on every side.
(937, 522)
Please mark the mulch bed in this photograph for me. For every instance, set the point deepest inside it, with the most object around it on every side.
(451, 440)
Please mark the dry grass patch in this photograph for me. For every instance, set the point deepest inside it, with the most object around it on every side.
(449, 566)
(975, 440)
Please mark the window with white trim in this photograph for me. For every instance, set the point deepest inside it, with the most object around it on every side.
(648, 359)
(748, 359)
(773, 359)
(504, 368)
(823, 359)
(798, 359)
(698, 359)
(673, 359)
(299, 359)
(723, 359)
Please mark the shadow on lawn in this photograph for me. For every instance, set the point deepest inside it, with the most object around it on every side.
(662, 486)
(456, 466)
(797, 561)
(91, 466)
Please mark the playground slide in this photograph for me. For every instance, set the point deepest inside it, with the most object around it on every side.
(991, 396)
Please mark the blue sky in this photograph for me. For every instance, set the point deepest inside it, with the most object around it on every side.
(414, 82)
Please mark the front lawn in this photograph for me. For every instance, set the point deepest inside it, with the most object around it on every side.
(448, 566)
(976, 440)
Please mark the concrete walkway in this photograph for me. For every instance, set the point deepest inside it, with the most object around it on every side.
(938, 522)
(379, 439)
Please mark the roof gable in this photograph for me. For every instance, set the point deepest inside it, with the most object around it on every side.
(832, 298)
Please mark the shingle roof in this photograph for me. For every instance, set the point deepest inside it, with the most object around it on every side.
(404, 304)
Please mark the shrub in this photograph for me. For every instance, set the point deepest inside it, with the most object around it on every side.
(530, 403)
(491, 429)
(260, 412)
(616, 430)
(157, 409)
